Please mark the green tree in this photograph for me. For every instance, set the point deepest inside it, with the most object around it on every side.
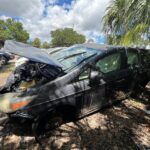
(36, 43)
(45, 45)
(66, 37)
(13, 30)
(127, 22)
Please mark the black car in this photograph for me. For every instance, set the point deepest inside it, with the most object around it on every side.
(94, 76)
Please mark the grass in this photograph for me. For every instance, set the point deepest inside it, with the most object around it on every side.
(136, 103)
(7, 68)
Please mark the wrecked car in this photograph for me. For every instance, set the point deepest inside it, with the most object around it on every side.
(52, 50)
(78, 81)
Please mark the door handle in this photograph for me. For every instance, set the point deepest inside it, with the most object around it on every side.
(121, 80)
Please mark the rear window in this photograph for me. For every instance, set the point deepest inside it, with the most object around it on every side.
(133, 58)
(146, 59)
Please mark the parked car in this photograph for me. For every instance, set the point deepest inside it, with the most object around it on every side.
(95, 76)
(5, 57)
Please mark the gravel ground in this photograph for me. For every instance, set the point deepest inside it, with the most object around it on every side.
(124, 126)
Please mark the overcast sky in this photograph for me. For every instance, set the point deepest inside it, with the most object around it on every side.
(39, 17)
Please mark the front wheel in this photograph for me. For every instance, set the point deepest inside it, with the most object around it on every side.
(47, 123)
(53, 123)
(137, 89)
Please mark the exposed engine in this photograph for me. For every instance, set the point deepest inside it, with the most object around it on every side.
(30, 74)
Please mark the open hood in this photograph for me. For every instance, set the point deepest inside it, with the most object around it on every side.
(32, 53)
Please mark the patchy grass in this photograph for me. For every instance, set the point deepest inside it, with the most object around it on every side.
(136, 103)
(7, 68)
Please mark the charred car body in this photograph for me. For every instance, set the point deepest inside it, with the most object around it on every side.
(87, 77)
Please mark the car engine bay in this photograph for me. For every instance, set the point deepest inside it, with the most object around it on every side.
(30, 74)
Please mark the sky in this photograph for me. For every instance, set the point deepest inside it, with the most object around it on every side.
(39, 17)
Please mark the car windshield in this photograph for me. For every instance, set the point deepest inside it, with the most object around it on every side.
(71, 57)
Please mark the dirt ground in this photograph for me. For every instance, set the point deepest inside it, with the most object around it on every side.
(124, 126)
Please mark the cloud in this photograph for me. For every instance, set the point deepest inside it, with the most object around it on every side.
(3, 17)
(88, 14)
(39, 17)
(21, 8)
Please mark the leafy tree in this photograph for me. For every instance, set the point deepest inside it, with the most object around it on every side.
(127, 22)
(66, 37)
(45, 45)
(36, 43)
(13, 30)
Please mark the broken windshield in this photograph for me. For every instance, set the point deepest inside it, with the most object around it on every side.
(71, 57)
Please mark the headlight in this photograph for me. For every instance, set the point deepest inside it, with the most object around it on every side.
(11, 102)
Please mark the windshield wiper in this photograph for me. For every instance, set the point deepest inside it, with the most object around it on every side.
(54, 51)
(86, 58)
(73, 55)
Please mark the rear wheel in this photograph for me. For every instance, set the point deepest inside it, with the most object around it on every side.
(47, 123)
(138, 88)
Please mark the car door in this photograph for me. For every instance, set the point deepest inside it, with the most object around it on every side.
(134, 68)
(92, 97)
(113, 67)
(145, 61)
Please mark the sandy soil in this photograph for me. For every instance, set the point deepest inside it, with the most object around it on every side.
(121, 127)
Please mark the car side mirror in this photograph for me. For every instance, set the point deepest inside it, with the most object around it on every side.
(95, 78)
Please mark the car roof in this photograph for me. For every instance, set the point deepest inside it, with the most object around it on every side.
(105, 47)
(51, 50)
(102, 47)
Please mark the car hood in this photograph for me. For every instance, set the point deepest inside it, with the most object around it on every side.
(32, 53)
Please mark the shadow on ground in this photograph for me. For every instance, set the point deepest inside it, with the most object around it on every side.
(124, 126)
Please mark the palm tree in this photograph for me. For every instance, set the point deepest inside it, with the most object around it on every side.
(127, 22)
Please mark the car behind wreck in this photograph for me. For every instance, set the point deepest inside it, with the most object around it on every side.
(87, 78)
(5, 57)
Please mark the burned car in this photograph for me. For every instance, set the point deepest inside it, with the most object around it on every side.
(52, 50)
(78, 81)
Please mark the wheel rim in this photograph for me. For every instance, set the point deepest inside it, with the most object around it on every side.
(53, 123)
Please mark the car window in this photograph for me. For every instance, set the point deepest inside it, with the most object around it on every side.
(71, 57)
(109, 63)
(146, 59)
(133, 58)
(84, 75)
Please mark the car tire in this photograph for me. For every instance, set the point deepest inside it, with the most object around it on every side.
(53, 122)
(47, 123)
(138, 89)
(3, 120)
